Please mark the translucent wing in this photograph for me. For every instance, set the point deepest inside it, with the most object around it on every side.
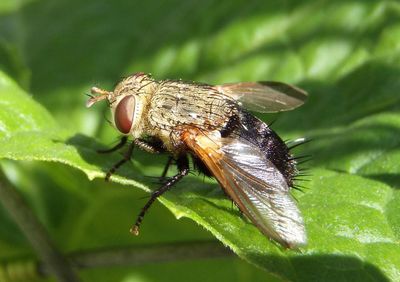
(266, 96)
(253, 183)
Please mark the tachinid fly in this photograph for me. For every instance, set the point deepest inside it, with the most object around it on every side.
(212, 125)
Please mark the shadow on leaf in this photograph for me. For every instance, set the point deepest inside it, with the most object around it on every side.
(87, 148)
(393, 180)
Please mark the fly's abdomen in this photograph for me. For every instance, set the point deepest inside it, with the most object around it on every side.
(260, 134)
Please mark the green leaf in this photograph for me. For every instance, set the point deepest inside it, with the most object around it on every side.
(346, 54)
(355, 226)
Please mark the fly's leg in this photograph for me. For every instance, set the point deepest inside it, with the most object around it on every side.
(163, 178)
(146, 146)
(183, 168)
(155, 147)
(121, 144)
(168, 164)
(127, 157)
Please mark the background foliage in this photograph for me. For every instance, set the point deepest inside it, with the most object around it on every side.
(346, 54)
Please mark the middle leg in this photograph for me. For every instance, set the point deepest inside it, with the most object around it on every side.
(183, 168)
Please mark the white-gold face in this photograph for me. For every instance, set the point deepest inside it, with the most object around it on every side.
(127, 102)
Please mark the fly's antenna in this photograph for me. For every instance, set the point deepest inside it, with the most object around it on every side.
(100, 95)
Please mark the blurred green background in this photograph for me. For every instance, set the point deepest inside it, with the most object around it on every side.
(346, 54)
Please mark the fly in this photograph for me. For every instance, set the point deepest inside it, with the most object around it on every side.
(211, 124)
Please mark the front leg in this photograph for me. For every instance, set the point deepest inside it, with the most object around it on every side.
(120, 144)
(146, 146)
(127, 157)
(152, 146)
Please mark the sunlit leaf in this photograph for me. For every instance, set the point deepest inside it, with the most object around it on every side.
(345, 54)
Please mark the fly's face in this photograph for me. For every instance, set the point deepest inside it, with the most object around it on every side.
(128, 102)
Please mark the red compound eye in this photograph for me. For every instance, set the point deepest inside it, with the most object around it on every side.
(124, 112)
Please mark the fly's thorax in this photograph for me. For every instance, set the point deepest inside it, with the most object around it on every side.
(176, 105)
(130, 101)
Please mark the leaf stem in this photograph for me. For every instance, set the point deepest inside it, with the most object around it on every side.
(139, 255)
(124, 256)
(151, 254)
(35, 233)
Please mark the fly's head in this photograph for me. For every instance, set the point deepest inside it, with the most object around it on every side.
(128, 102)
